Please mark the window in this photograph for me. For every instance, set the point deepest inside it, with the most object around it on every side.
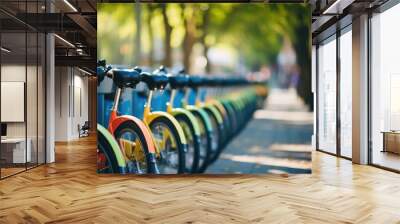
(346, 93)
(327, 96)
(22, 92)
(385, 89)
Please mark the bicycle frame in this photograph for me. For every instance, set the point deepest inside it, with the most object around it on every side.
(212, 108)
(115, 121)
(198, 109)
(209, 106)
(149, 116)
(177, 111)
(207, 130)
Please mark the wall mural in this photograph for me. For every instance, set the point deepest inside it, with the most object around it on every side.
(203, 88)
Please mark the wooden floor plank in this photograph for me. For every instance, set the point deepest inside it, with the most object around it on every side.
(70, 191)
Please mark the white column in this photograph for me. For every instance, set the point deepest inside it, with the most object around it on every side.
(360, 90)
(50, 98)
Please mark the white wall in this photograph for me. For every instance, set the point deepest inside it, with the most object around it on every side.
(79, 117)
(70, 83)
(16, 73)
(12, 73)
(33, 126)
(61, 103)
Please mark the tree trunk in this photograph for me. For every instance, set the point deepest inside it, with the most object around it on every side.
(204, 28)
(167, 41)
(189, 39)
(138, 45)
(302, 47)
(151, 34)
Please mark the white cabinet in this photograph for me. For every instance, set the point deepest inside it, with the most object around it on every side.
(17, 147)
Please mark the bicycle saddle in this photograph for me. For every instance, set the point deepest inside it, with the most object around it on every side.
(157, 80)
(125, 77)
(195, 81)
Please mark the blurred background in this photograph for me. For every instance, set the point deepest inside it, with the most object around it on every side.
(260, 40)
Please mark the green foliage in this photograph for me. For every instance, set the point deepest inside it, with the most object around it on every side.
(115, 32)
(256, 30)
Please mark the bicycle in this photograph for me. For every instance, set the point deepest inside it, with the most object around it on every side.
(132, 135)
(213, 113)
(198, 118)
(180, 146)
(235, 109)
(167, 133)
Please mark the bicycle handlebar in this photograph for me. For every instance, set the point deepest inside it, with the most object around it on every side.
(160, 77)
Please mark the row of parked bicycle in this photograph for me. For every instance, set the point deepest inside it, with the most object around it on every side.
(185, 138)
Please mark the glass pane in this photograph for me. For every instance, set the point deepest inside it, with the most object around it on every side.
(41, 99)
(327, 96)
(31, 99)
(13, 86)
(22, 81)
(385, 83)
(346, 94)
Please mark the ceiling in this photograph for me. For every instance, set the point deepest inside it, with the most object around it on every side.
(329, 14)
(74, 22)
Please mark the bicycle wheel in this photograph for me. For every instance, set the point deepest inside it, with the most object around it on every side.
(231, 114)
(226, 124)
(205, 140)
(171, 157)
(192, 153)
(216, 136)
(109, 156)
(134, 146)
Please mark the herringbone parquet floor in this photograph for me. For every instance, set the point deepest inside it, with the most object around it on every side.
(70, 191)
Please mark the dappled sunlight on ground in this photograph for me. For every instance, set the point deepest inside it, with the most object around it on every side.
(295, 117)
(277, 140)
(291, 147)
(269, 161)
(285, 105)
(285, 100)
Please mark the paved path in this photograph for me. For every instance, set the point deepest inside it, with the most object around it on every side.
(277, 140)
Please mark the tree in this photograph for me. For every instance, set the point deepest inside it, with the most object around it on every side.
(302, 46)
(204, 30)
(167, 40)
(150, 9)
(138, 44)
(255, 32)
(189, 21)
